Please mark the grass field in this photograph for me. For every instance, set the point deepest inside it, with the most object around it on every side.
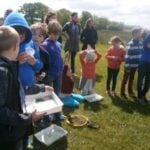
(124, 125)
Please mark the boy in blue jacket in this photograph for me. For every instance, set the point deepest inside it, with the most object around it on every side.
(53, 47)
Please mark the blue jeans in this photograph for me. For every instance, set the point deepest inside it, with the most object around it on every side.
(143, 83)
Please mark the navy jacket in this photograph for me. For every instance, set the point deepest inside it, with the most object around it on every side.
(13, 123)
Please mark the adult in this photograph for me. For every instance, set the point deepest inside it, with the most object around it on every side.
(89, 35)
(52, 15)
(143, 84)
(72, 33)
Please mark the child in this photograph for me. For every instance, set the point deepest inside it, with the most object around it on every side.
(143, 83)
(13, 123)
(29, 59)
(53, 47)
(114, 56)
(39, 32)
(132, 57)
(88, 62)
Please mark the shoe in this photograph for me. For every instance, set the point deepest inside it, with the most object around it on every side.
(146, 100)
(124, 96)
(47, 118)
(114, 93)
(132, 94)
(40, 124)
(59, 117)
(108, 93)
(142, 101)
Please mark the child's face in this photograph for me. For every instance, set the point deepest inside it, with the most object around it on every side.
(116, 45)
(37, 37)
(137, 35)
(22, 33)
(53, 36)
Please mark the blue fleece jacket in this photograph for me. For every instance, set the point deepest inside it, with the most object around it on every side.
(26, 71)
(146, 53)
(55, 59)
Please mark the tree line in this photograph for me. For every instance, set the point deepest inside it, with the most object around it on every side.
(37, 12)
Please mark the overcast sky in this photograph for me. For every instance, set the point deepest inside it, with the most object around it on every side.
(131, 12)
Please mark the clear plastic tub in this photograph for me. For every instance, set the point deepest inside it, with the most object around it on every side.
(50, 135)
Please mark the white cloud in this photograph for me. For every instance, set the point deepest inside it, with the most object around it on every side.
(131, 12)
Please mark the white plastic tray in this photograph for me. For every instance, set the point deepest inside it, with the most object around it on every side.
(43, 102)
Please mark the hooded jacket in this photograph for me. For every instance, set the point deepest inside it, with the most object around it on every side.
(26, 71)
(13, 123)
(146, 51)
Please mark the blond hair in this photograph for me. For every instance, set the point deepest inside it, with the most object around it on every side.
(54, 27)
(8, 38)
(41, 27)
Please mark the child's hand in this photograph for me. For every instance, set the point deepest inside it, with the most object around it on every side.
(48, 88)
(30, 59)
(22, 58)
(41, 76)
(37, 116)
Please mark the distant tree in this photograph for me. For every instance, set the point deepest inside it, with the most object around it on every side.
(34, 11)
(115, 26)
(85, 15)
(103, 23)
(63, 16)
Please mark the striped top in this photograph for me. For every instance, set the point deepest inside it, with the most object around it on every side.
(133, 54)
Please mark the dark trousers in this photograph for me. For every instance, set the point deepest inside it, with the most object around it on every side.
(84, 46)
(18, 145)
(112, 76)
(143, 83)
(128, 77)
(56, 82)
(73, 55)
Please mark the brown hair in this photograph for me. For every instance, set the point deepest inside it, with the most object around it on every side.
(115, 39)
(49, 16)
(41, 27)
(87, 22)
(54, 27)
(8, 38)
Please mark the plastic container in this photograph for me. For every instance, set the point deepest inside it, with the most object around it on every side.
(43, 102)
(50, 135)
(93, 98)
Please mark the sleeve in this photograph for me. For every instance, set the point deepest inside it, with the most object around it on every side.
(82, 36)
(122, 57)
(9, 116)
(65, 27)
(81, 57)
(127, 56)
(98, 56)
(35, 89)
(96, 37)
(108, 55)
(38, 64)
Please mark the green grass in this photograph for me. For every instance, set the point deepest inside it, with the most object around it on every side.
(124, 125)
